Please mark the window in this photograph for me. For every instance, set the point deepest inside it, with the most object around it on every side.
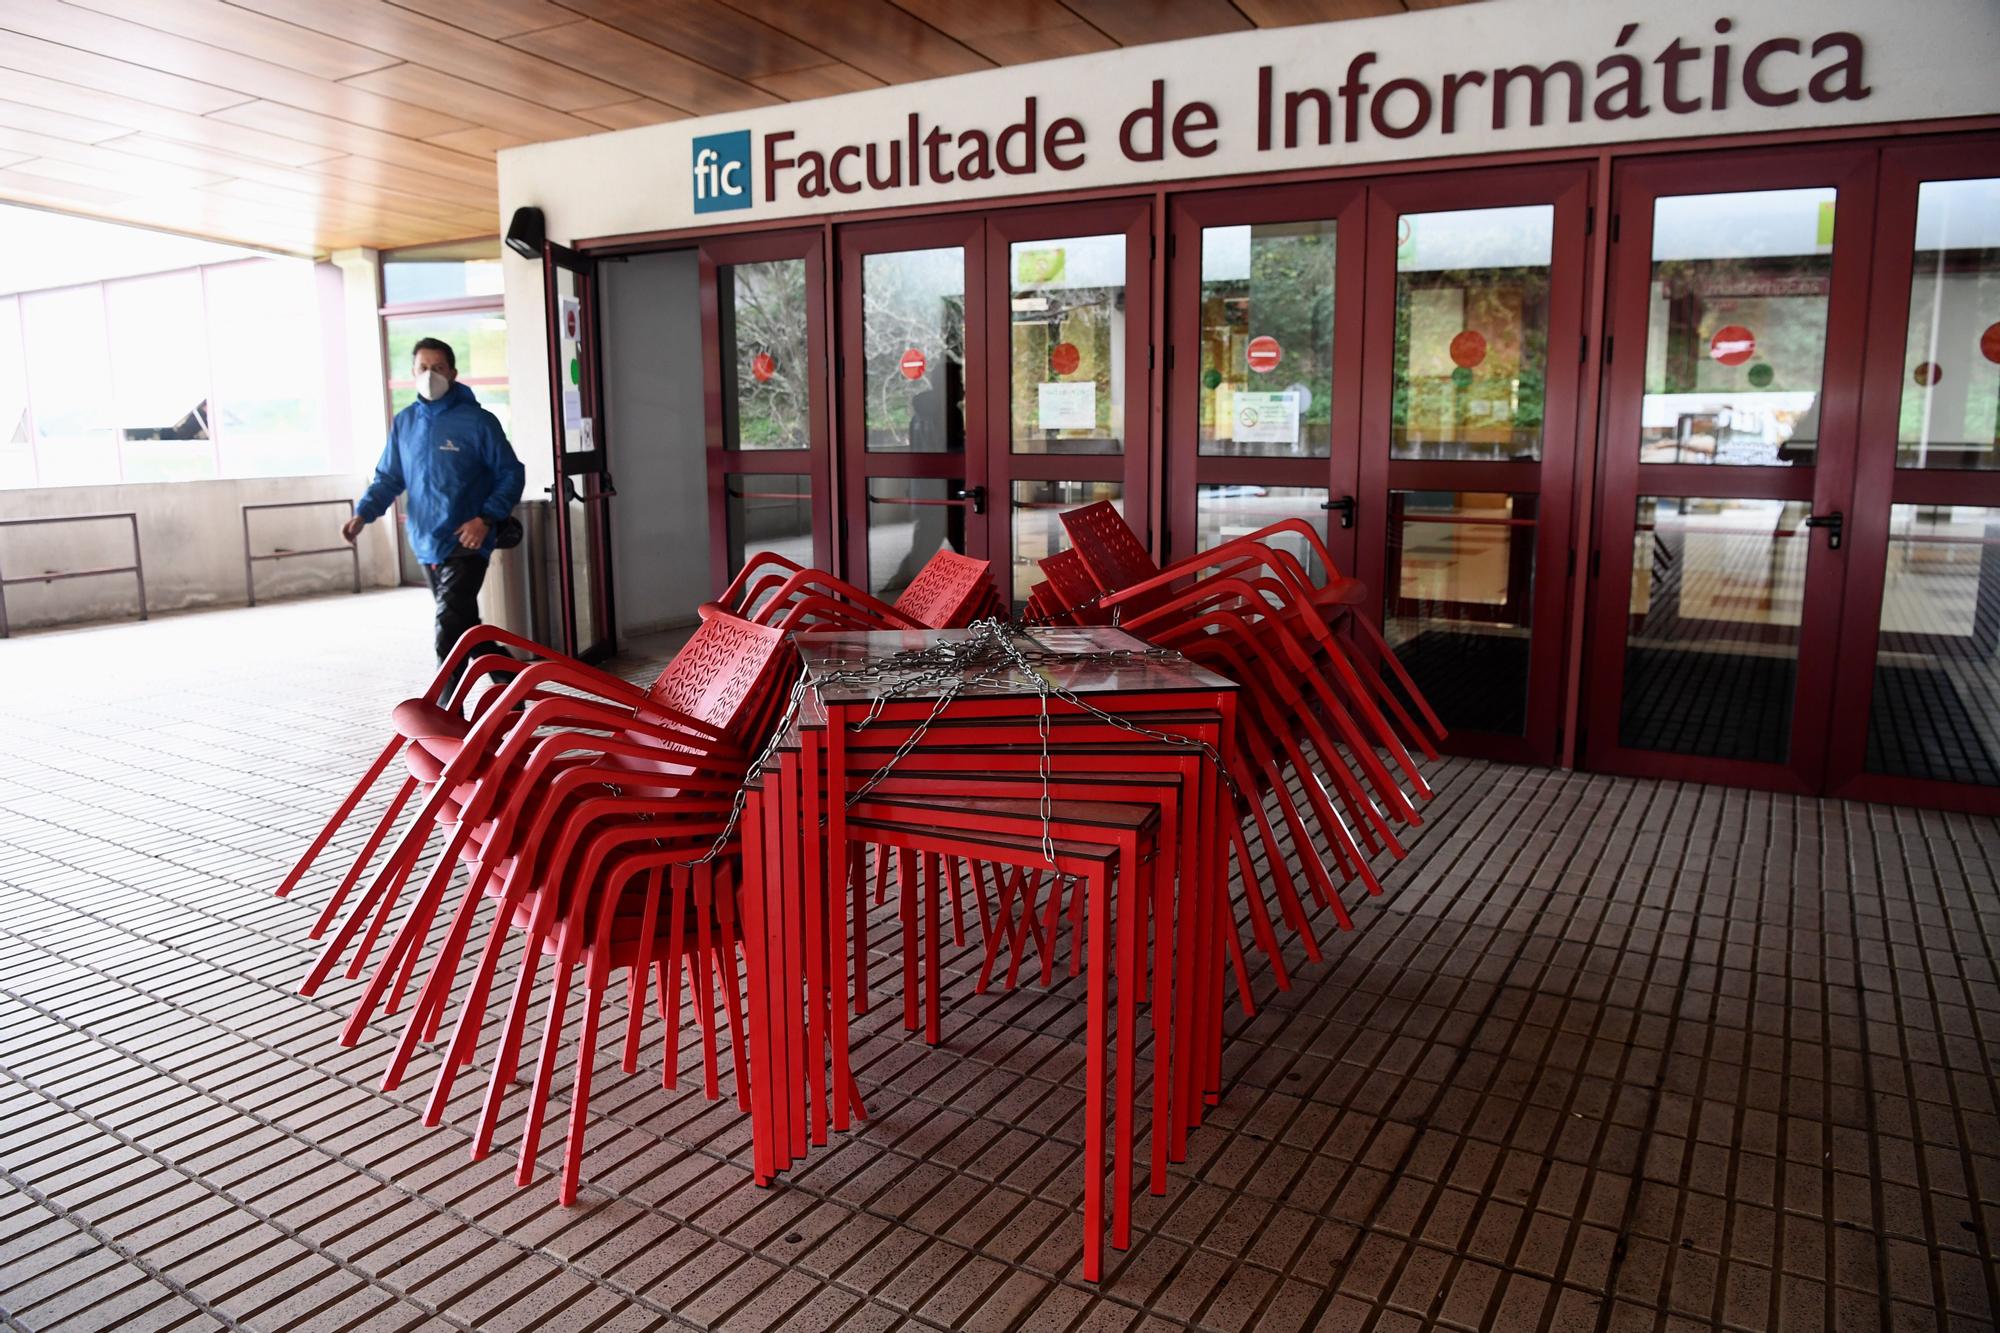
(452, 271)
(451, 292)
(68, 359)
(17, 446)
(478, 340)
(159, 377)
(264, 338)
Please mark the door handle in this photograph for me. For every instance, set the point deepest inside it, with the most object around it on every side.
(1345, 504)
(976, 494)
(1832, 523)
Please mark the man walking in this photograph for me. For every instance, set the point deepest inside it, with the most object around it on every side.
(451, 457)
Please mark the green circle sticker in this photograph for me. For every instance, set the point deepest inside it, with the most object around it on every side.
(1210, 378)
(1761, 374)
(575, 371)
(1462, 377)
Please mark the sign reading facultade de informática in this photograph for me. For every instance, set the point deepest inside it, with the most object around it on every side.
(1496, 76)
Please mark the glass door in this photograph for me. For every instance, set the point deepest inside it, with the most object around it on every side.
(1069, 303)
(1917, 698)
(1264, 363)
(1475, 285)
(583, 487)
(912, 375)
(764, 377)
(1731, 383)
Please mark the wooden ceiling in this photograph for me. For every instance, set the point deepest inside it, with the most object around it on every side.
(313, 125)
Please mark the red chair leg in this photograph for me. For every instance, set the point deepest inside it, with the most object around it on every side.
(579, 1102)
(360, 863)
(635, 984)
(545, 1067)
(340, 815)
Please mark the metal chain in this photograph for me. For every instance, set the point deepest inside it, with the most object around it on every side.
(950, 669)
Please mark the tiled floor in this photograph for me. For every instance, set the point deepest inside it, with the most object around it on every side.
(1608, 1055)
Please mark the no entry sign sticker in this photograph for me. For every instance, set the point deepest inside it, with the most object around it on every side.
(1263, 354)
(762, 367)
(1064, 358)
(912, 364)
(1732, 345)
(1468, 349)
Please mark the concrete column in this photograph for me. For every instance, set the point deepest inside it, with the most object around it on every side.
(367, 390)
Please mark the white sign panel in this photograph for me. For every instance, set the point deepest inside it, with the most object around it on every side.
(1062, 406)
(1266, 418)
(1499, 76)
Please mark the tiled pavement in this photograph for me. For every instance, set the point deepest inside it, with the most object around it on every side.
(1608, 1055)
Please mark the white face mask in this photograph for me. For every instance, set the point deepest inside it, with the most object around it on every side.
(431, 385)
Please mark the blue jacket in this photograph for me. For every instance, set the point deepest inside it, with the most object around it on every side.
(453, 460)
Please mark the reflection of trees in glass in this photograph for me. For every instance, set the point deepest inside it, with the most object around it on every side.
(914, 299)
(1762, 409)
(1954, 421)
(1289, 296)
(767, 314)
(1498, 401)
(1084, 317)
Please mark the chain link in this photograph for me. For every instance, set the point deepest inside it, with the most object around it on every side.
(987, 654)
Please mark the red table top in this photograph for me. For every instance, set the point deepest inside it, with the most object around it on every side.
(833, 658)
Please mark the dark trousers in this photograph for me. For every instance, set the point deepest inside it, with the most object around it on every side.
(455, 588)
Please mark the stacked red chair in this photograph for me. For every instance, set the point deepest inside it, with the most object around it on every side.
(1320, 710)
(949, 592)
(573, 812)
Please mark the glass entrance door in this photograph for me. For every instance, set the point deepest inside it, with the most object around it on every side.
(1734, 361)
(1264, 365)
(912, 372)
(583, 489)
(1468, 442)
(1917, 697)
(764, 375)
(1069, 297)
(989, 383)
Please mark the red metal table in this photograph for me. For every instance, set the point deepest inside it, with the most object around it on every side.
(938, 698)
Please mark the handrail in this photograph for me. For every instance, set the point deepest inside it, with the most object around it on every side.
(249, 560)
(137, 568)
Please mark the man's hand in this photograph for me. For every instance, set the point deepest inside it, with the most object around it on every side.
(472, 533)
(352, 528)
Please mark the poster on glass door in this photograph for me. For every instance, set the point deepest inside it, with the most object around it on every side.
(1266, 418)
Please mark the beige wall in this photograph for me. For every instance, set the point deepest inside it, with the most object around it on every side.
(192, 536)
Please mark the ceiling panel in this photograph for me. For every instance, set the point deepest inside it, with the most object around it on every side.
(226, 27)
(1136, 22)
(318, 124)
(631, 115)
(642, 67)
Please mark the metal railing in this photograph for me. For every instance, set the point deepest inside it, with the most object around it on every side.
(137, 568)
(281, 553)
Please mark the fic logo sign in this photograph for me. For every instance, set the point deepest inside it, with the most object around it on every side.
(722, 172)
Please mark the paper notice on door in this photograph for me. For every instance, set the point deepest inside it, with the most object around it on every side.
(1067, 406)
(1266, 418)
(572, 408)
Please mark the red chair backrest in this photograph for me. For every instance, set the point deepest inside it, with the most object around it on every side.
(1108, 547)
(947, 592)
(1072, 591)
(723, 675)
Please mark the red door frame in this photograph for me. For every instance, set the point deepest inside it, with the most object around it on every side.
(1134, 220)
(1342, 202)
(857, 464)
(1567, 188)
(584, 474)
(1827, 485)
(1879, 483)
(724, 464)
